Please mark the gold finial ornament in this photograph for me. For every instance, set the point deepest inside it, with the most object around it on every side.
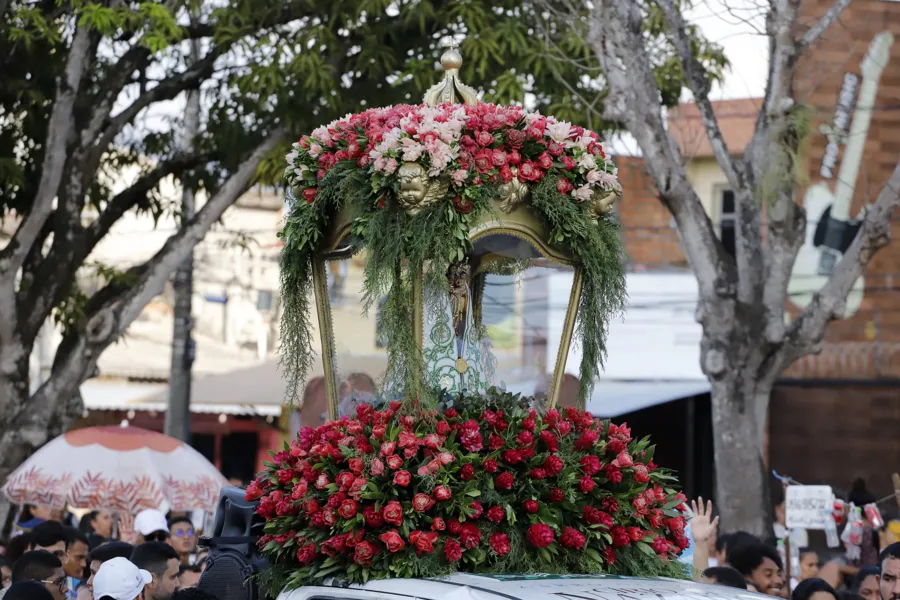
(512, 194)
(446, 91)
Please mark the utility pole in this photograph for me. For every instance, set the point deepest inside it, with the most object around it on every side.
(178, 416)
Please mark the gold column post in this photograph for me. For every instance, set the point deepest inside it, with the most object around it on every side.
(326, 332)
(566, 340)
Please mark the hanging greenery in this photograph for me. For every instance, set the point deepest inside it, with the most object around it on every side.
(415, 179)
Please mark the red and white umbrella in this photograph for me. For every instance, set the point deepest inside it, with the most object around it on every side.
(121, 468)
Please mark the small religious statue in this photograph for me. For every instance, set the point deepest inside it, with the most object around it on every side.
(417, 190)
(458, 278)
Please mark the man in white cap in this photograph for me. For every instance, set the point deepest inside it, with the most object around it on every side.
(120, 579)
(151, 526)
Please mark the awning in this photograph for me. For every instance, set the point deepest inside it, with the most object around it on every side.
(102, 395)
(615, 398)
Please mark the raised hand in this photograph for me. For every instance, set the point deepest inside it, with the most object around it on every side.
(126, 527)
(703, 526)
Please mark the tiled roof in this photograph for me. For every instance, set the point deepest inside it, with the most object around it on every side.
(737, 119)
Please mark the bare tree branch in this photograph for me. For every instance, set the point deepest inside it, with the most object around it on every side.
(827, 20)
(700, 86)
(59, 132)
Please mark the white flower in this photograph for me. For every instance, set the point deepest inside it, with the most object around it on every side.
(291, 156)
(315, 150)
(532, 117)
(583, 193)
(459, 176)
(594, 176)
(608, 180)
(441, 154)
(412, 149)
(587, 162)
(391, 166)
(559, 132)
(321, 134)
(391, 139)
(583, 142)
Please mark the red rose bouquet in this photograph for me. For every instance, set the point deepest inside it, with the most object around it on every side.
(486, 485)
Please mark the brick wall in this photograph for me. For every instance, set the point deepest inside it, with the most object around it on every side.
(648, 232)
(868, 344)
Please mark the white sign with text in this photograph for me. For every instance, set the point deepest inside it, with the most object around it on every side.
(806, 506)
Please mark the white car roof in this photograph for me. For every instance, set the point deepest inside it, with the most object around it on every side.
(466, 586)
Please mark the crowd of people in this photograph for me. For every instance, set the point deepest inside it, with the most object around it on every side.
(741, 560)
(151, 556)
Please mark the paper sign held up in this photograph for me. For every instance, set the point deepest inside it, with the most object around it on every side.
(807, 506)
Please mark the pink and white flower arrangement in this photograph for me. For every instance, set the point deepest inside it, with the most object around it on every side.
(470, 145)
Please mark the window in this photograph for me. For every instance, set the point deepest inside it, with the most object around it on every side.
(264, 300)
(727, 220)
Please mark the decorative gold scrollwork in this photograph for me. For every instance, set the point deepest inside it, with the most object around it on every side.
(512, 194)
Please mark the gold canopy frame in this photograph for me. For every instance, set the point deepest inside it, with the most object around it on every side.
(510, 216)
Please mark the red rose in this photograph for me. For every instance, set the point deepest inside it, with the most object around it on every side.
(682, 542)
(550, 440)
(545, 160)
(586, 440)
(358, 486)
(495, 442)
(388, 448)
(525, 438)
(506, 174)
(553, 465)
(451, 413)
(528, 424)
(500, 544)
(394, 462)
(676, 525)
(328, 517)
(477, 509)
(610, 505)
(540, 535)
(443, 428)
(660, 545)
(470, 436)
(528, 171)
(327, 160)
(586, 484)
(504, 481)
(423, 541)
(515, 138)
(490, 465)
(454, 526)
(306, 554)
(624, 459)
(572, 538)
(422, 502)
(565, 428)
(640, 506)
(357, 465)
(527, 453)
(496, 514)
(442, 492)
(452, 550)
(363, 161)
(532, 506)
(433, 441)
(393, 513)
(376, 467)
(656, 518)
(620, 536)
(512, 457)
(469, 535)
(609, 555)
(467, 472)
(364, 553)
(438, 524)
(347, 509)
(344, 480)
(590, 464)
(392, 541)
(300, 489)
(498, 158)
(284, 476)
(484, 138)
(402, 478)
(534, 133)
(615, 445)
(537, 473)
(596, 517)
(309, 194)
(613, 473)
(635, 534)
(256, 490)
(556, 495)
(564, 186)
(373, 517)
(641, 474)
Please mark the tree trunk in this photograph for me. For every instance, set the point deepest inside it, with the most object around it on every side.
(742, 482)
